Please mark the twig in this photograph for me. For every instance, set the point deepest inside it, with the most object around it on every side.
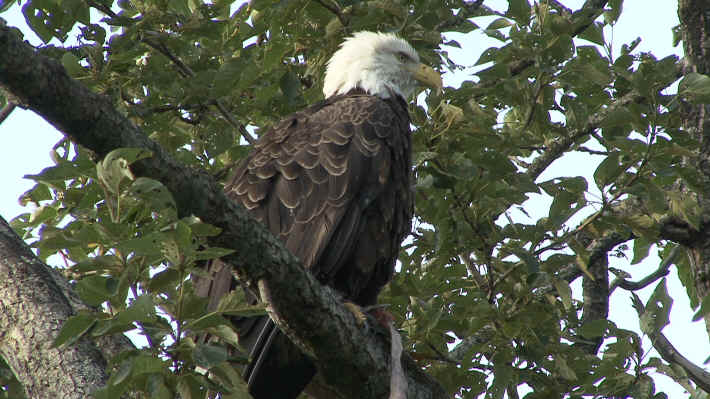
(335, 9)
(441, 356)
(184, 70)
(591, 151)
(663, 270)
(560, 7)
(103, 8)
(463, 15)
(242, 130)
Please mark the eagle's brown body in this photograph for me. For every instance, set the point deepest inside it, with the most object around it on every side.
(333, 183)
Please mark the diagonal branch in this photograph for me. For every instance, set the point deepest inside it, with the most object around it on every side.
(328, 330)
(670, 354)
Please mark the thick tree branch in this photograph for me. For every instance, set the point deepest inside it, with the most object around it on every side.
(595, 291)
(328, 329)
(34, 304)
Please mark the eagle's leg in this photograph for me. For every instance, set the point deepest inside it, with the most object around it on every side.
(378, 312)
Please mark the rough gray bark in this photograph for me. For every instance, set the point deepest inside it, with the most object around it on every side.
(695, 27)
(328, 329)
(33, 306)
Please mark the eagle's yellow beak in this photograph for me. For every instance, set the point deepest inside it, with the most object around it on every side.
(427, 76)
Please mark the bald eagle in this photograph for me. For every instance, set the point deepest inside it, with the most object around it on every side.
(333, 183)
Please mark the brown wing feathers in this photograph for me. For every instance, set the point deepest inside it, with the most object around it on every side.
(333, 183)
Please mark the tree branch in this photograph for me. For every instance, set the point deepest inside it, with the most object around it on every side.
(466, 12)
(670, 354)
(35, 301)
(328, 329)
(335, 9)
(598, 249)
(562, 144)
(6, 111)
(662, 271)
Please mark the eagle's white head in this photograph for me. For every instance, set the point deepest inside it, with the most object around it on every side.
(382, 64)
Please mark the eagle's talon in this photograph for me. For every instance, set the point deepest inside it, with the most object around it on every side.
(358, 312)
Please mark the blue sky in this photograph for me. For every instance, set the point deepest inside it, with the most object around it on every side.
(28, 140)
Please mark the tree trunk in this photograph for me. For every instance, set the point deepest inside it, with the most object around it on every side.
(34, 303)
(695, 27)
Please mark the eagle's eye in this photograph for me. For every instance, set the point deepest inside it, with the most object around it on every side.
(402, 57)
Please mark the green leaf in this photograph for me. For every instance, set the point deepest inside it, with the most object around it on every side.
(35, 18)
(148, 245)
(147, 364)
(612, 13)
(564, 370)
(209, 320)
(190, 387)
(594, 328)
(228, 77)
(520, 10)
(154, 192)
(594, 33)
(704, 308)
(657, 311)
(95, 290)
(157, 388)
(499, 24)
(565, 292)
(71, 64)
(695, 88)
(123, 372)
(225, 332)
(641, 247)
(160, 282)
(209, 355)
(73, 329)
(608, 170)
(201, 229)
(686, 208)
(141, 309)
(130, 155)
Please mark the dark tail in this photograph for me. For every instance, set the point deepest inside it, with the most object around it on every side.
(277, 368)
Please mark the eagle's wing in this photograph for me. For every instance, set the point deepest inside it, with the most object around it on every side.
(313, 177)
(332, 182)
